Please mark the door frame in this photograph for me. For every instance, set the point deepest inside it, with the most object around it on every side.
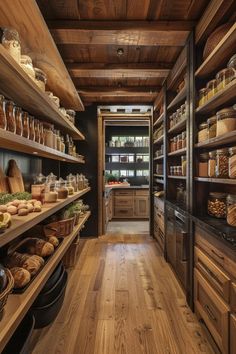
(102, 118)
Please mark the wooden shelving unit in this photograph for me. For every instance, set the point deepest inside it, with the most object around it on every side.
(178, 127)
(178, 99)
(216, 180)
(156, 175)
(25, 93)
(177, 177)
(178, 152)
(159, 120)
(20, 224)
(159, 140)
(158, 180)
(158, 158)
(221, 140)
(18, 143)
(18, 304)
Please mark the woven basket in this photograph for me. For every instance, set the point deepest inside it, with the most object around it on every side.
(60, 228)
(4, 295)
(71, 256)
(215, 38)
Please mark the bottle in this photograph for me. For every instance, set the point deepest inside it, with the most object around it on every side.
(3, 120)
(31, 128)
(67, 145)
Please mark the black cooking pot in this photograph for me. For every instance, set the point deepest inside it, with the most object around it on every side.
(53, 278)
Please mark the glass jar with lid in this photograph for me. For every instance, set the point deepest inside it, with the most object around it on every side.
(222, 163)
(18, 118)
(232, 162)
(202, 96)
(226, 121)
(184, 165)
(25, 124)
(211, 88)
(212, 164)
(175, 170)
(61, 189)
(224, 77)
(70, 188)
(172, 145)
(72, 179)
(179, 142)
(232, 62)
(211, 127)
(27, 66)
(175, 144)
(203, 165)
(174, 117)
(203, 132)
(231, 210)
(51, 194)
(179, 170)
(31, 128)
(11, 121)
(183, 111)
(217, 205)
(3, 119)
(40, 78)
(37, 130)
(54, 138)
(184, 143)
(48, 135)
(11, 42)
(178, 115)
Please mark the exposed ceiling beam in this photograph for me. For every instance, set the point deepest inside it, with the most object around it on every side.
(87, 95)
(137, 70)
(115, 89)
(138, 33)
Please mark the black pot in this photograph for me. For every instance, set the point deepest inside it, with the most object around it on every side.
(19, 342)
(53, 278)
(47, 314)
(48, 297)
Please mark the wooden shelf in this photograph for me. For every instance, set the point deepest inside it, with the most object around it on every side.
(178, 99)
(156, 175)
(20, 224)
(19, 87)
(18, 143)
(159, 120)
(216, 180)
(158, 158)
(158, 180)
(220, 55)
(224, 139)
(126, 150)
(178, 152)
(178, 127)
(177, 177)
(159, 140)
(18, 304)
(222, 98)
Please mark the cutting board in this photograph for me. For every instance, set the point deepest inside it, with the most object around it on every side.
(3, 182)
(15, 178)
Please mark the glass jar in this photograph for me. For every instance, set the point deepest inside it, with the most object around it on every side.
(212, 164)
(37, 130)
(203, 165)
(175, 170)
(27, 66)
(217, 205)
(226, 121)
(179, 170)
(179, 141)
(18, 118)
(63, 144)
(175, 144)
(232, 62)
(48, 135)
(71, 115)
(184, 142)
(211, 122)
(11, 121)
(183, 165)
(51, 194)
(171, 170)
(174, 117)
(211, 88)
(41, 132)
(222, 163)
(70, 188)
(54, 139)
(172, 145)
(178, 115)
(72, 179)
(3, 120)
(61, 189)
(40, 78)
(224, 77)
(171, 121)
(231, 210)
(203, 132)
(31, 128)
(183, 111)
(58, 140)
(202, 96)
(11, 42)
(25, 124)
(56, 100)
(232, 162)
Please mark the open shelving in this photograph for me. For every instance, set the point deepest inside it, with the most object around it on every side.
(159, 120)
(221, 140)
(159, 140)
(178, 127)
(216, 180)
(178, 152)
(177, 177)
(18, 304)
(158, 158)
(178, 99)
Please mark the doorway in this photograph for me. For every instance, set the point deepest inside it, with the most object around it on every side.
(125, 169)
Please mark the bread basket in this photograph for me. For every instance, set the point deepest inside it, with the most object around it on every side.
(60, 228)
(214, 39)
(6, 292)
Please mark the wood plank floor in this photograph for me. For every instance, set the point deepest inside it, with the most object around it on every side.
(122, 298)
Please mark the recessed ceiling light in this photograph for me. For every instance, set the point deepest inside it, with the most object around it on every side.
(120, 52)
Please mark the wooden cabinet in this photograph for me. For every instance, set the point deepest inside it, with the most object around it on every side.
(131, 204)
(141, 206)
(170, 237)
(233, 334)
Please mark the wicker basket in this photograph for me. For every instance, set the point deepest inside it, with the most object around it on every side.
(4, 295)
(215, 38)
(71, 256)
(60, 228)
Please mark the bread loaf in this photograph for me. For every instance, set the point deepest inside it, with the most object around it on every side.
(21, 277)
(26, 261)
(53, 240)
(39, 247)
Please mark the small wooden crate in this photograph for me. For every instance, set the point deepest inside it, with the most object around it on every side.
(71, 256)
(60, 228)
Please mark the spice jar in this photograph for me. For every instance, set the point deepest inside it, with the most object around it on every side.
(37, 130)
(226, 121)
(18, 119)
(203, 132)
(174, 117)
(70, 188)
(11, 122)
(202, 96)
(232, 62)
(40, 78)
(217, 205)
(3, 120)
(171, 170)
(224, 77)
(48, 135)
(27, 66)
(56, 100)
(178, 116)
(179, 142)
(222, 163)
(25, 124)
(31, 128)
(232, 162)
(231, 209)
(184, 140)
(54, 139)
(211, 89)
(211, 122)
(11, 42)
(212, 164)
(183, 165)
(203, 165)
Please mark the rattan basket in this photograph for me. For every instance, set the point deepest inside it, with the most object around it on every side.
(215, 38)
(6, 292)
(60, 228)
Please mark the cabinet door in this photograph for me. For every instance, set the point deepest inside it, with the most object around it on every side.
(171, 238)
(141, 206)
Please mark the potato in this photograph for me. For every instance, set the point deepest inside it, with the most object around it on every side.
(16, 202)
(37, 208)
(23, 212)
(3, 208)
(38, 203)
(21, 205)
(12, 210)
(30, 207)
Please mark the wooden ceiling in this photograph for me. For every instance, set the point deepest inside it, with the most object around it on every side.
(151, 33)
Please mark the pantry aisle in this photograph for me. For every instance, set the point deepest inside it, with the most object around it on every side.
(122, 297)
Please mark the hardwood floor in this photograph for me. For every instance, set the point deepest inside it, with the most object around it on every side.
(122, 298)
(130, 227)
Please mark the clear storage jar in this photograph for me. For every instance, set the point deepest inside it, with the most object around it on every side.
(211, 122)
(184, 143)
(217, 205)
(179, 142)
(42, 135)
(212, 164)
(25, 124)
(203, 132)
(27, 66)
(226, 121)
(224, 77)
(183, 165)
(203, 165)
(48, 135)
(222, 163)
(40, 78)
(37, 130)
(202, 96)
(232, 162)
(172, 146)
(211, 88)
(18, 118)
(3, 119)
(231, 210)
(11, 42)
(11, 121)
(31, 128)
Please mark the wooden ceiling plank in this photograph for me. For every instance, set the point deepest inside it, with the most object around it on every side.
(178, 68)
(158, 100)
(136, 89)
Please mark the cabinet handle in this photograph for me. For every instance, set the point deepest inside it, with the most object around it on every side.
(210, 313)
(218, 255)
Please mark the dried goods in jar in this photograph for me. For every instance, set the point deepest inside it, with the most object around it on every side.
(203, 165)
(37, 130)
(40, 78)
(232, 162)
(183, 165)
(222, 163)
(11, 122)
(224, 77)
(25, 124)
(202, 96)
(31, 128)
(179, 142)
(27, 66)
(211, 122)
(11, 42)
(203, 132)
(212, 164)
(226, 121)
(217, 205)
(211, 89)
(231, 209)
(184, 140)
(18, 118)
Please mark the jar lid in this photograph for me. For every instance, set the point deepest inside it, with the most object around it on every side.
(232, 150)
(231, 60)
(231, 198)
(212, 154)
(223, 72)
(218, 195)
(203, 90)
(229, 111)
(204, 156)
(211, 120)
(203, 125)
(222, 151)
(211, 82)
